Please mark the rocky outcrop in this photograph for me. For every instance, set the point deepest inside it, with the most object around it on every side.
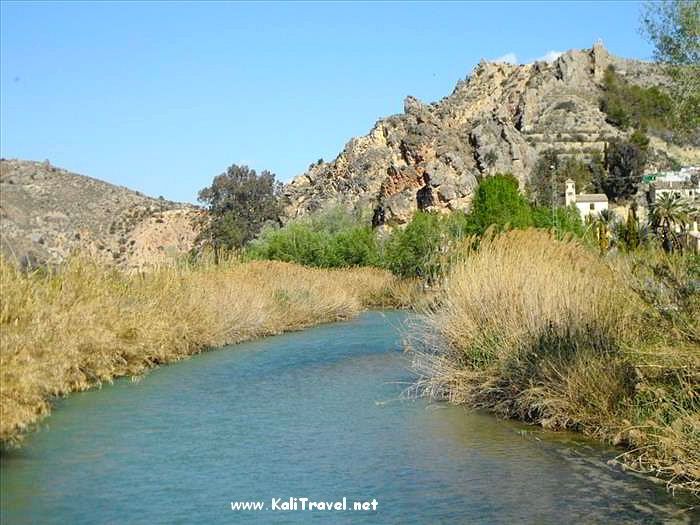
(499, 119)
(47, 213)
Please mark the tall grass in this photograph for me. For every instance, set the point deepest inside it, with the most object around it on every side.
(85, 324)
(546, 331)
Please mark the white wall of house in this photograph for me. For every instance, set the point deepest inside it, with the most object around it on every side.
(586, 209)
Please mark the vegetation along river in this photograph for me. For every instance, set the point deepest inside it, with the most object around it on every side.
(315, 414)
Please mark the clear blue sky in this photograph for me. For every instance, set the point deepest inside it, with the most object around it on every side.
(161, 97)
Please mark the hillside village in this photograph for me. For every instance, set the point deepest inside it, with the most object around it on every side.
(683, 183)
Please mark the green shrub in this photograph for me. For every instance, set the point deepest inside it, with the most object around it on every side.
(497, 203)
(628, 105)
(356, 246)
(423, 249)
(296, 242)
(333, 239)
(561, 220)
(414, 251)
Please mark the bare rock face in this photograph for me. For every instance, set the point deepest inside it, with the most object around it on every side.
(497, 120)
(47, 213)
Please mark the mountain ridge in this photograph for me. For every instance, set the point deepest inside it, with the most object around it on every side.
(498, 119)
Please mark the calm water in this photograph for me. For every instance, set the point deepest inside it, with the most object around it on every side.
(312, 414)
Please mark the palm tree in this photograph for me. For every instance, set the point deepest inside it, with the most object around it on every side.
(668, 213)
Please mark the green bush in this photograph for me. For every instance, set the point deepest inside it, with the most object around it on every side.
(355, 246)
(423, 248)
(628, 105)
(497, 203)
(330, 240)
(414, 251)
(296, 242)
(560, 220)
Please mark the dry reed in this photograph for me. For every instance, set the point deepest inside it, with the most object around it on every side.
(84, 324)
(548, 332)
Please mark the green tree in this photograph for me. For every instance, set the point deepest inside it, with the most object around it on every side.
(624, 166)
(612, 102)
(541, 186)
(498, 202)
(673, 27)
(238, 202)
(549, 175)
(629, 105)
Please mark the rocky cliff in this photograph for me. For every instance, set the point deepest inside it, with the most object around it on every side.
(46, 213)
(499, 119)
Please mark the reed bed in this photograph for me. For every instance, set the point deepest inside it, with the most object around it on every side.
(547, 331)
(81, 325)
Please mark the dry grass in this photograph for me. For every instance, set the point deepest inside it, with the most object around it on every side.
(85, 324)
(548, 332)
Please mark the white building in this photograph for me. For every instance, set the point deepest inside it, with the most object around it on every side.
(588, 204)
(692, 240)
(684, 183)
(685, 189)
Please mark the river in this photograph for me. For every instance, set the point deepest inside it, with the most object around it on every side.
(316, 414)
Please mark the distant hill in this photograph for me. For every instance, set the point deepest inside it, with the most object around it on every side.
(47, 212)
(499, 119)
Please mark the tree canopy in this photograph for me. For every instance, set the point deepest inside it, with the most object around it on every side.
(673, 27)
(239, 201)
(498, 202)
(623, 165)
(548, 177)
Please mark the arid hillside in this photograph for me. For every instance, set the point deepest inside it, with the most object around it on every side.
(46, 213)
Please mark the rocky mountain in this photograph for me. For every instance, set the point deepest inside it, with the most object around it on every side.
(46, 213)
(499, 119)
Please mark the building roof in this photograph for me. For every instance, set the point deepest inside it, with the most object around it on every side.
(591, 197)
(674, 185)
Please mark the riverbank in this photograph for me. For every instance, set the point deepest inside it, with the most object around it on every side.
(549, 332)
(86, 324)
(274, 417)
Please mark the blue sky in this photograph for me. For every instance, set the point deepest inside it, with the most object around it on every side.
(161, 97)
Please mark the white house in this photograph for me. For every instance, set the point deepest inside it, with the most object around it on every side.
(588, 204)
(692, 239)
(685, 189)
(684, 183)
